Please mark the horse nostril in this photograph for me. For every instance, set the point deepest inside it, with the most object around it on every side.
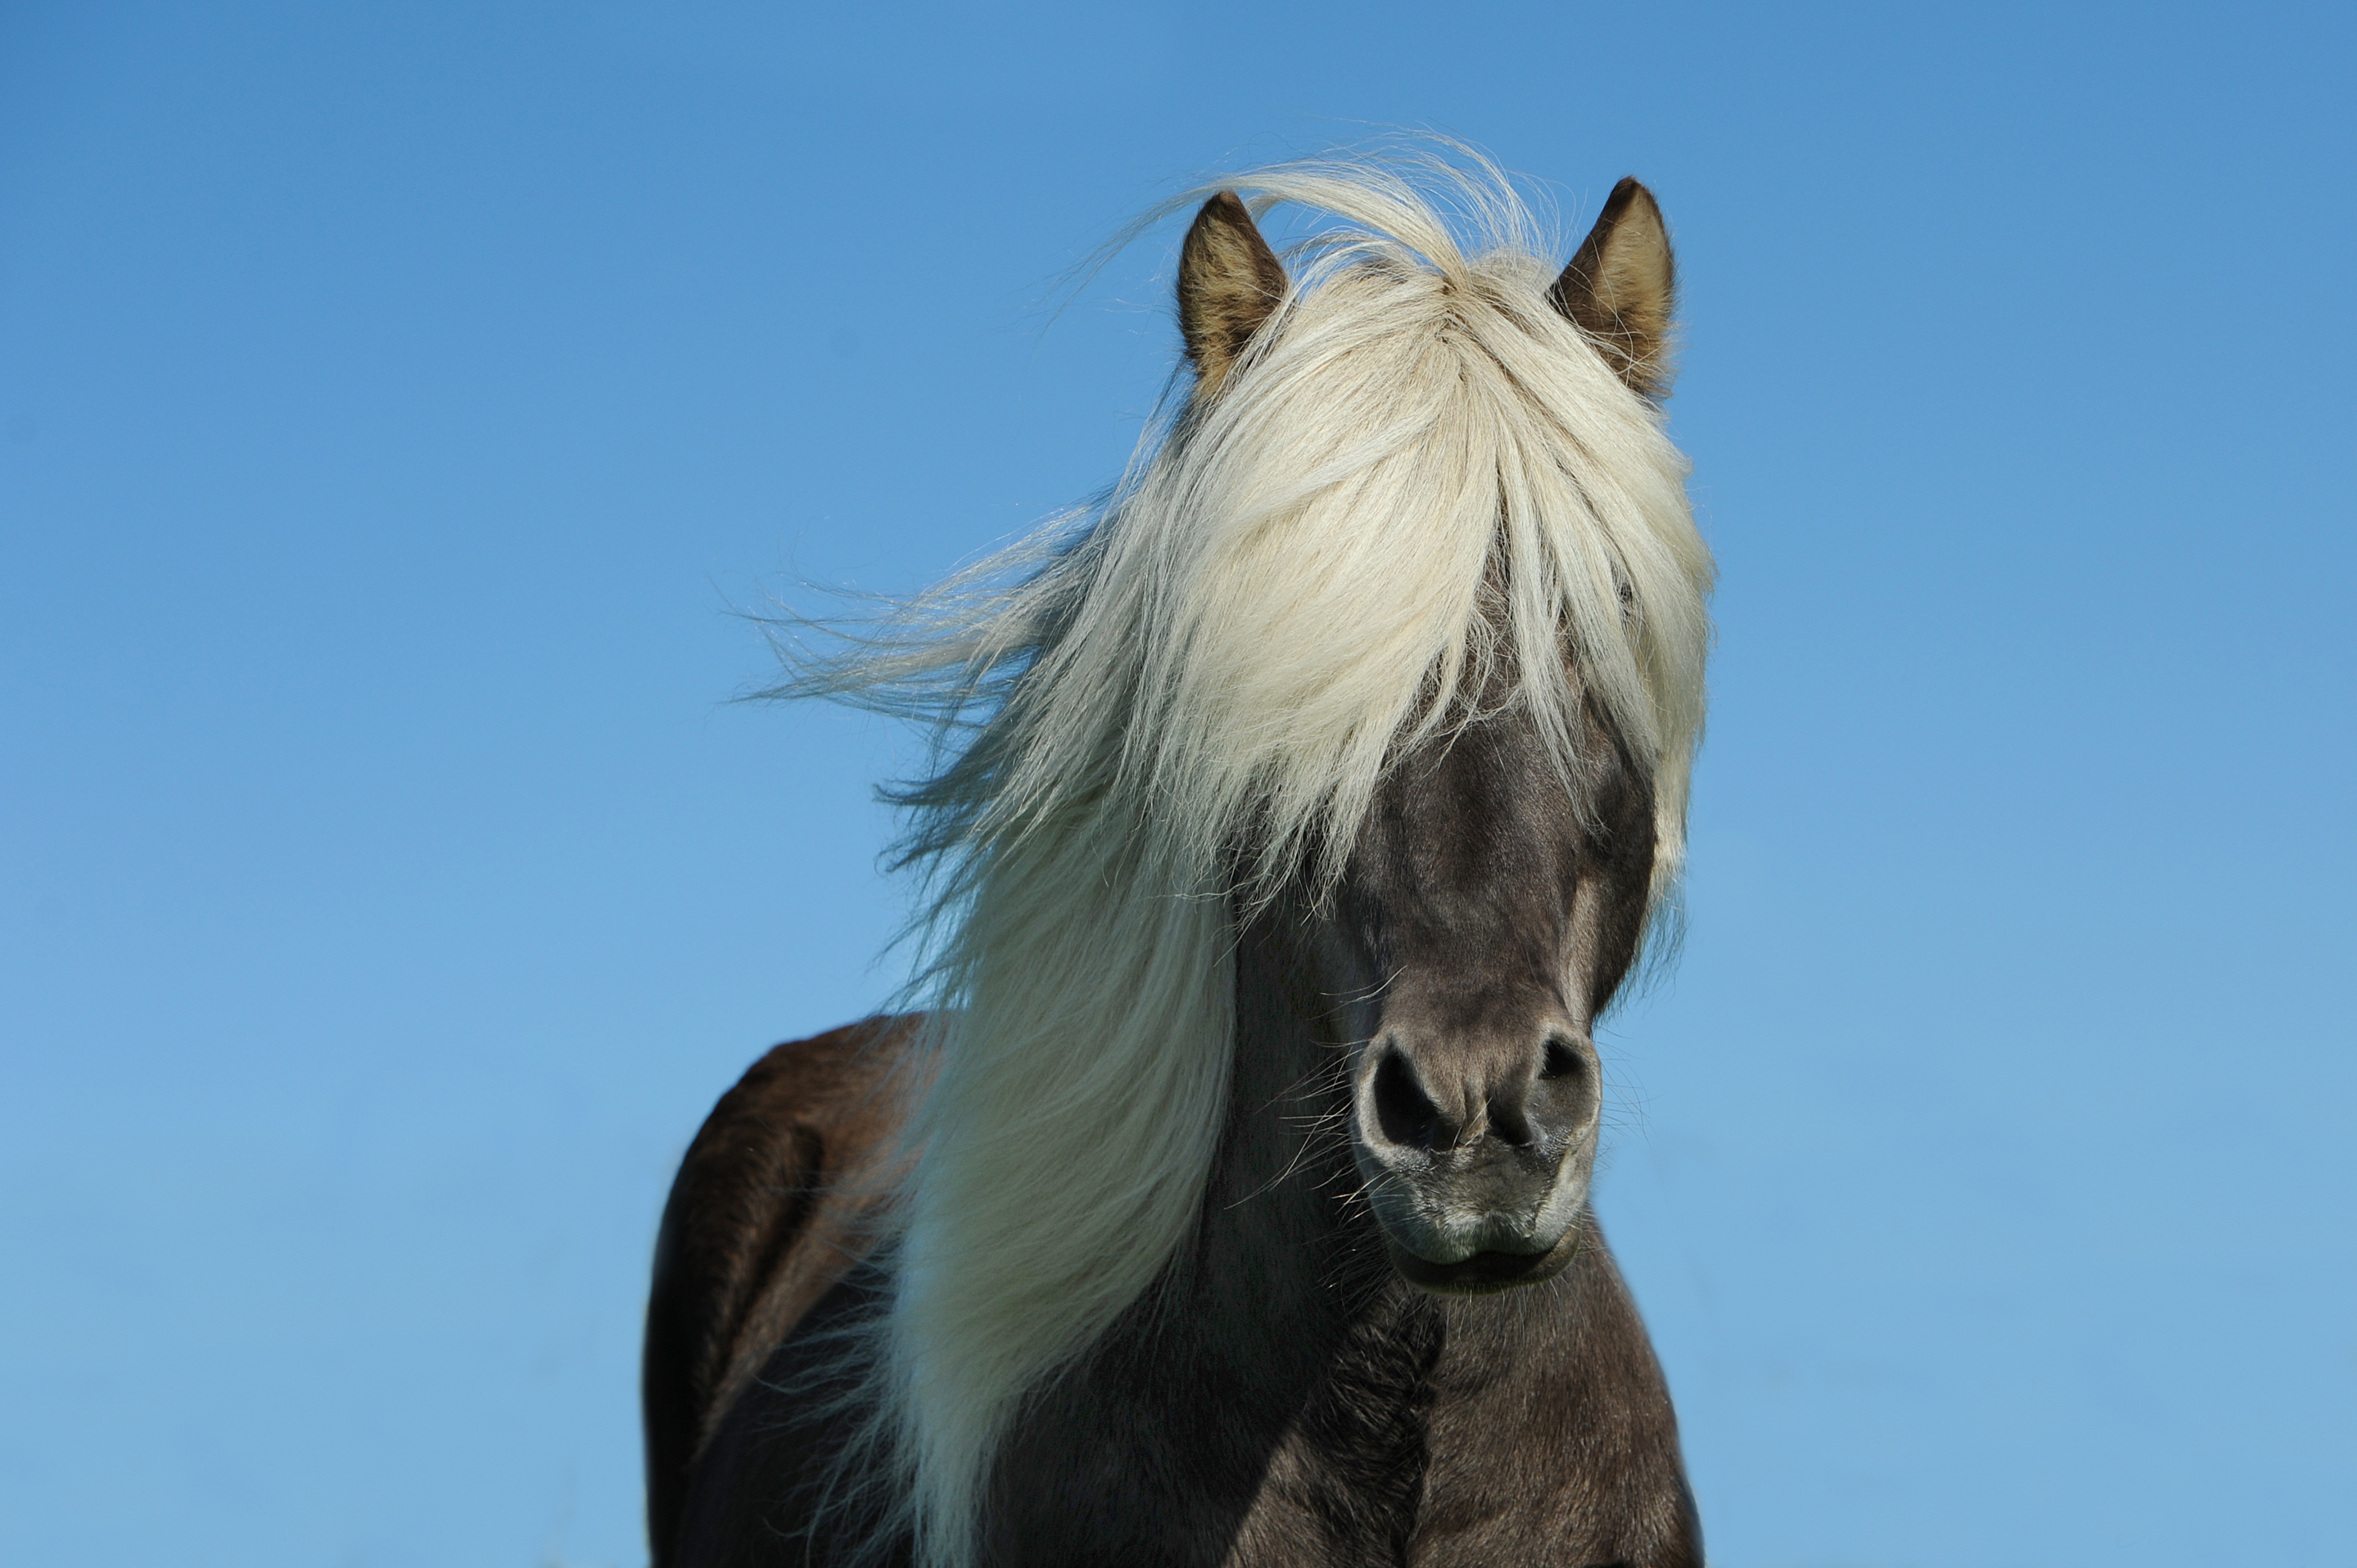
(1562, 1061)
(1404, 1112)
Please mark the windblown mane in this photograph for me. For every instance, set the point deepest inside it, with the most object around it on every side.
(1171, 704)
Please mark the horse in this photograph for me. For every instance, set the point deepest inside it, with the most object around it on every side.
(1297, 811)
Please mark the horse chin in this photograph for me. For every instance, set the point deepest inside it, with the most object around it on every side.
(1484, 1274)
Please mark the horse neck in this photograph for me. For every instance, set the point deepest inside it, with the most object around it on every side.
(1285, 1249)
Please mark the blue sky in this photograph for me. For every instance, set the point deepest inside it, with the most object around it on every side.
(399, 404)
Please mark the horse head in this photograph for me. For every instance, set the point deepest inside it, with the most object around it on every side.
(1498, 889)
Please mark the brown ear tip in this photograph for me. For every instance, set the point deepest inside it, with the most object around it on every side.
(1629, 192)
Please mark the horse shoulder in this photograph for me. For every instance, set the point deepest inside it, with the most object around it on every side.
(768, 1213)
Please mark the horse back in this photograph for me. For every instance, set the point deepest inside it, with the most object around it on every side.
(771, 1209)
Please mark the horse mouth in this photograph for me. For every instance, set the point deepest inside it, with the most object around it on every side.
(1484, 1274)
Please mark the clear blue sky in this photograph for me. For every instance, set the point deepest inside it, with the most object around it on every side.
(397, 401)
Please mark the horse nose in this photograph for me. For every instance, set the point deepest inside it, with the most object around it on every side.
(1438, 1096)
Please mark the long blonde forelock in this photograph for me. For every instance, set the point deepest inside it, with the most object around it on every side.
(1301, 576)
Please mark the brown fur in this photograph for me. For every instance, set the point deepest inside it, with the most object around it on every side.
(1622, 289)
(769, 1209)
(1230, 283)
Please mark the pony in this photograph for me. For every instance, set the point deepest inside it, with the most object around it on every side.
(1296, 812)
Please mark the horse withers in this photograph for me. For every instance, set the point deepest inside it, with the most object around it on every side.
(1300, 811)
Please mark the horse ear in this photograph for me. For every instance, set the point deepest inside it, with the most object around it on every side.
(1229, 284)
(1622, 288)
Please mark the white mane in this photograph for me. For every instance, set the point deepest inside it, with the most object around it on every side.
(1225, 652)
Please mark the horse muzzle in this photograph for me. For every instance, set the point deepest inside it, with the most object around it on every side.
(1491, 1222)
(1478, 1169)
